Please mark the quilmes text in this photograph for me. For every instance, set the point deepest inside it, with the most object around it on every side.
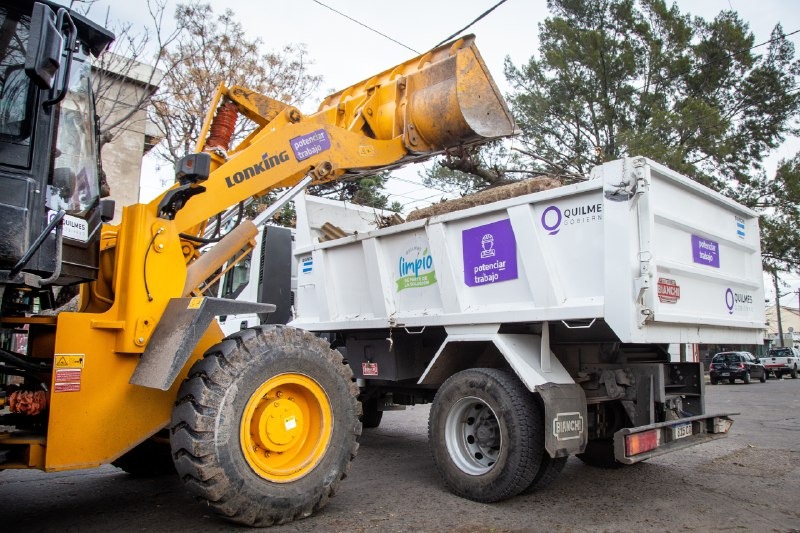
(267, 162)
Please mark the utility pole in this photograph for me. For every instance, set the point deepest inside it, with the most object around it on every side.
(778, 308)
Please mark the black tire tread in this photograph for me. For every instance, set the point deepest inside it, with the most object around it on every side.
(599, 453)
(530, 430)
(193, 424)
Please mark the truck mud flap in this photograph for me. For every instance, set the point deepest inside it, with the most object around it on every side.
(632, 445)
(564, 418)
(183, 323)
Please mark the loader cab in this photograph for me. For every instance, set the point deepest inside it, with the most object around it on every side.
(50, 209)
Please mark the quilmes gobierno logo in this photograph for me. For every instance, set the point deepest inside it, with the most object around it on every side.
(551, 219)
(554, 218)
(737, 301)
(416, 269)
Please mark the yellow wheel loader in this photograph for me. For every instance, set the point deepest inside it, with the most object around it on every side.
(263, 424)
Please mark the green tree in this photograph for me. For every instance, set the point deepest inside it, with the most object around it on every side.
(620, 77)
(466, 170)
(777, 199)
(363, 190)
(617, 78)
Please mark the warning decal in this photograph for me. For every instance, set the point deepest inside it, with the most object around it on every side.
(68, 361)
(67, 379)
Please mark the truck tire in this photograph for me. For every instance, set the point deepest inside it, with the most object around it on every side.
(599, 453)
(794, 372)
(549, 469)
(265, 425)
(372, 416)
(778, 375)
(151, 458)
(486, 434)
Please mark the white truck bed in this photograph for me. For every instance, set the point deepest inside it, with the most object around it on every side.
(658, 257)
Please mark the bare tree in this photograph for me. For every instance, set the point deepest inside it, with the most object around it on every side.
(127, 76)
(214, 49)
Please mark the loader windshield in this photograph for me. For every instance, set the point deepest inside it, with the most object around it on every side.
(16, 90)
(74, 184)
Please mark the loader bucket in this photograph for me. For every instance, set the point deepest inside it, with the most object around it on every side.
(453, 102)
(438, 100)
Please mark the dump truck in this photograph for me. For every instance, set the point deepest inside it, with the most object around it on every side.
(538, 326)
(261, 425)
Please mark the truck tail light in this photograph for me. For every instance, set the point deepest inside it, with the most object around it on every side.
(642, 442)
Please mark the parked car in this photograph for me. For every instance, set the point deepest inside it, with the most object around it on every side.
(736, 365)
(782, 360)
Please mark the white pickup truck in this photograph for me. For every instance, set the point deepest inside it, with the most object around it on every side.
(782, 360)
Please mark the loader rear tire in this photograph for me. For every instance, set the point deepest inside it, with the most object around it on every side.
(266, 425)
(486, 434)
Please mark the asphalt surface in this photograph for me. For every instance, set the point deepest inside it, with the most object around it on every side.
(749, 481)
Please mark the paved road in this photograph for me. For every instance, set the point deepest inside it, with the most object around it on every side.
(747, 482)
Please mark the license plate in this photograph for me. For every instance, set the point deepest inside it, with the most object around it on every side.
(681, 431)
(725, 374)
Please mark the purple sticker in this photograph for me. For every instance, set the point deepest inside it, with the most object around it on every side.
(490, 253)
(705, 251)
(311, 144)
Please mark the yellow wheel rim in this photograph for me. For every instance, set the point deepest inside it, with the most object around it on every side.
(286, 427)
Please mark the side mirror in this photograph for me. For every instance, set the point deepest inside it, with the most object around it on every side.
(44, 47)
(107, 206)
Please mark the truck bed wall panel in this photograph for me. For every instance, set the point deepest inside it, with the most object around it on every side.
(654, 254)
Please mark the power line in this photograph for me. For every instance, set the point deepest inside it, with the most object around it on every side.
(498, 4)
(367, 27)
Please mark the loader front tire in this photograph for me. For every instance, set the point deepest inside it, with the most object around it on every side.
(486, 434)
(265, 425)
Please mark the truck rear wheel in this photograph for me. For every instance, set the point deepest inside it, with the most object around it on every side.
(794, 372)
(600, 454)
(486, 434)
(549, 469)
(265, 425)
(372, 416)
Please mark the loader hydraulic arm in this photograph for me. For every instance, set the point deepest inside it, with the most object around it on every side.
(439, 100)
(442, 99)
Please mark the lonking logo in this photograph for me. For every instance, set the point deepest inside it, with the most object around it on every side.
(738, 301)
(554, 219)
(416, 269)
(267, 162)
